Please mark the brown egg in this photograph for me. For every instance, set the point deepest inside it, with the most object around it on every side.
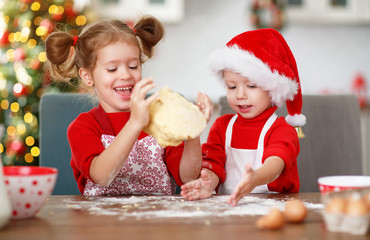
(273, 220)
(336, 205)
(295, 211)
(357, 206)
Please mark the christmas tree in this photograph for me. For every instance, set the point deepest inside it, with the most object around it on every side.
(24, 26)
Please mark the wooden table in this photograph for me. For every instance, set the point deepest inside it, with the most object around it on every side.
(61, 218)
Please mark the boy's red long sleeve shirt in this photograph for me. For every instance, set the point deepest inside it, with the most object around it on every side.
(281, 140)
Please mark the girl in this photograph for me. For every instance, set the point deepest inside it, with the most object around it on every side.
(110, 153)
(253, 150)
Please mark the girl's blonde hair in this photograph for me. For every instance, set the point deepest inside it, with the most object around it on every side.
(66, 54)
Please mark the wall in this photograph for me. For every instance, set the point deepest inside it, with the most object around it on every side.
(328, 56)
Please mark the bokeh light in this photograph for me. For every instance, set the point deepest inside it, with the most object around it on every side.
(14, 107)
(28, 158)
(28, 117)
(4, 104)
(30, 141)
(35, 151)
(35, 6)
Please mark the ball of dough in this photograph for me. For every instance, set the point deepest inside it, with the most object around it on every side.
(173, 119)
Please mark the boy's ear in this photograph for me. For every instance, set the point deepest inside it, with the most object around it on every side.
(85, 75)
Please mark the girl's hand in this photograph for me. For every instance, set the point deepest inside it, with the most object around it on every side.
(245, 186)
(205, 105)
(200, 188)
(139, 105)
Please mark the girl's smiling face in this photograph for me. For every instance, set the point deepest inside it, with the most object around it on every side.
(117, 70)
(244, 97)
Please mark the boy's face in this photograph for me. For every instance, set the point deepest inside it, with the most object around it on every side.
(245, 98)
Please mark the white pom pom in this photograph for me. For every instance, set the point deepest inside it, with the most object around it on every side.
(297, 120)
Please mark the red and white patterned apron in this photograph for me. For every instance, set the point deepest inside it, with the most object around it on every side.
(144, 171)
(236, 159)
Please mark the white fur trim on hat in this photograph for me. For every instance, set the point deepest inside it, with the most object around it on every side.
(280, 87)
(296, 120)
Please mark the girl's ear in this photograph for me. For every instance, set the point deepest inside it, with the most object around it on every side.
(85, 75)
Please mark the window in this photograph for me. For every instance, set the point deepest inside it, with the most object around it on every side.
(328, 11)
(130, 10)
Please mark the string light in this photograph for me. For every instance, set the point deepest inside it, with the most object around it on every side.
(23, 7)
(35, 6)
(22, 101)
(14, 107)
(30, 88)
(21, 129)
(41, 31)
(10, 54)
(1, 148)
(4, 104)
(26, 23)
(22, 75)
(28, 117)
(42, 57)
(31, 43)
(24, 34)
(28, 108)
(35, 151)
(3, 26)
(29, 141)
(60, 10)
(2, 83)
(81, 20)
(17, 88)
(53, 9)
(37, 21)
(4, 93)
(40, 92)
(11, 130)
(11, 37)
(28, 158)
(17, 37)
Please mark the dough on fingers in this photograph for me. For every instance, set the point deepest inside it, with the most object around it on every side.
(173, 119)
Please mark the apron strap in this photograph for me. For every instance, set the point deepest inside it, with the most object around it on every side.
(229, 130)
(103, 120)
(261, 139)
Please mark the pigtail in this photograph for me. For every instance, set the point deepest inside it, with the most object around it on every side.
(150, 31)
(61, 54)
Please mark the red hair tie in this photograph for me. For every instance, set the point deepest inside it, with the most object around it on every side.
(74, 40)
(133, 29)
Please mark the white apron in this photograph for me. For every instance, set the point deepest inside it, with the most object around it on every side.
(143, 173)
(236, 159)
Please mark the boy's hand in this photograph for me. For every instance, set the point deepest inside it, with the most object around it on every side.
(245, 186)
(205, 105)
(200, 188)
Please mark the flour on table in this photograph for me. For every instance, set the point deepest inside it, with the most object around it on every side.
(176, 207)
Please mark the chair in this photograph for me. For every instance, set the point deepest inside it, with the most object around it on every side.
(57, 111)
(332, 145)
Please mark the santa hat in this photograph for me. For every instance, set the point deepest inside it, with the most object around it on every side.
(264, 57)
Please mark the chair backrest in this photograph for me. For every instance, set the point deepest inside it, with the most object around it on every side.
(57, 111)
(332, 145)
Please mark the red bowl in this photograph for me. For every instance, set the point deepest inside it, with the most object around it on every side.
(344, 182)
(28, 170)
(28, 188)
